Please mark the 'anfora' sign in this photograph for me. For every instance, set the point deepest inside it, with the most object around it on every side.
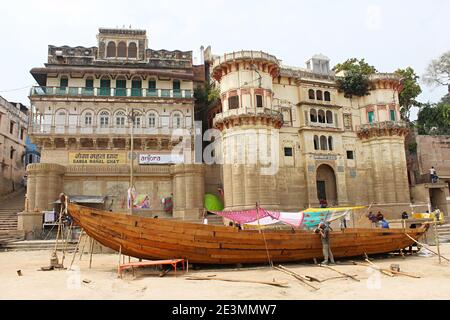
(160, 158)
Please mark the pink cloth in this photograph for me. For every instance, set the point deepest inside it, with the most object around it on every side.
(244, 216)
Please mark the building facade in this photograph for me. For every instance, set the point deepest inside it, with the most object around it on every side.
(86, 101)
(327, 147)
(13, 134)
(424, 152)
(284, 137)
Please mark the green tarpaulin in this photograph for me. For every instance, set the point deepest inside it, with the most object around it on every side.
(212, 202)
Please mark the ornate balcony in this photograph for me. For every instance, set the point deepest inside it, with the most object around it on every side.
(248, 116)
(110, 92)
(385, 128)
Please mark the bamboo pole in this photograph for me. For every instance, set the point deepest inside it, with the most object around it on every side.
(271, 283)
(297, 276)
(340, 272)
(90, 253)
(76, 249)
(423, 245)
(118, 266)
(386, 272)
(436, 237)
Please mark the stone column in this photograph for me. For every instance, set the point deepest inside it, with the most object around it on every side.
(189, 190)
(45, 181)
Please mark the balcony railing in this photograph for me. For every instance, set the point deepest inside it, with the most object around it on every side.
(111, 92)
(248, 111)
(382, 125)
(44, 129)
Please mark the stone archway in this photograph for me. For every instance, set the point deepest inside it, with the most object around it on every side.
(326, 184)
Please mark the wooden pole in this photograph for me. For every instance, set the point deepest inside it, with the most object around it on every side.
(271, 283)
(425, 246)
(118, 266)
(340, 272)
(83, 235)
(436, 237)
(90, 253)
(76, 249)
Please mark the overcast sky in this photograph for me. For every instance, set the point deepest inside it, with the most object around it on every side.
(389, 34)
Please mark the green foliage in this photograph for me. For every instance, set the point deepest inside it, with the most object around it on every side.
(355, 82)
(412, 147)
(411, 89)
(204, 96)
(353, 64)
(434, 118)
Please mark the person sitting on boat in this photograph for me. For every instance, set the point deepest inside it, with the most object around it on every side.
(384, 224)
(404, 215)
(324, 229)
(323, 203)
(373, 218)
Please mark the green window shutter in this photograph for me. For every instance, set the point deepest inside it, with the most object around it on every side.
(371, 116)
(392, 112)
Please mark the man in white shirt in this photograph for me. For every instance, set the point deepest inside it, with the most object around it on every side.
(433, 175)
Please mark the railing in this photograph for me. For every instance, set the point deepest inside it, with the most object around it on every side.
(382, 125)
(45, 129)
(245, 54)
(248, 111)
(111, 92)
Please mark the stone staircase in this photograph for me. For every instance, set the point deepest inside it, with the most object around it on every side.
(37, 245)
(444, 231)
(10, 205)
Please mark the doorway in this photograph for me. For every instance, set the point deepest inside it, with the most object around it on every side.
(326, 184)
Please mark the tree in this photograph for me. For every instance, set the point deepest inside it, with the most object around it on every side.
(361, 66)
(434, 118)
(355, 81)
(411, 89)
(438, 71)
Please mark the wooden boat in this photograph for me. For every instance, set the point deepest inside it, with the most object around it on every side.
(151, 239)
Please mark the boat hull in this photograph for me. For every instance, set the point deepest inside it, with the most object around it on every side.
(151, 239)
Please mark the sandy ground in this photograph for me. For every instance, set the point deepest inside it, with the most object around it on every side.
(102, 282)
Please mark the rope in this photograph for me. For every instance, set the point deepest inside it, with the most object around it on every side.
(264, 237)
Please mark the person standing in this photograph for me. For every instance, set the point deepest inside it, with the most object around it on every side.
(324, 230)
(433, 175)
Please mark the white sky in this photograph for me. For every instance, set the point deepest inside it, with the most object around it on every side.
(389, 34)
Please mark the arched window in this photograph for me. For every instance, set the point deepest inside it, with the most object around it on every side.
(316, 143)
(330, 143)
(137, 121)
(323, 143)
(311, 94)
(176, 120)
(132, 50)
(120, 119)
(104, 119)
(319, 95)
(87, 119)
(122, 50)
(60, 118)
(327, 96)
(111, 50)
(152, 118)
(313, 115)
(321, 116)
(329, 116)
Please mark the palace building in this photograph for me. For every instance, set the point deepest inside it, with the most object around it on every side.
(285, 136)
(343, 150)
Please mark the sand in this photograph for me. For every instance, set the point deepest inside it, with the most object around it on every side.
(101, 281)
